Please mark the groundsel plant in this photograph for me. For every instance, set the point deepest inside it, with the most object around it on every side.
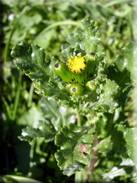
(98, 145)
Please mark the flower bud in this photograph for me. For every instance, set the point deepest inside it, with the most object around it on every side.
(63, 72)
(90, 85)
(75, 89)
(91, 61)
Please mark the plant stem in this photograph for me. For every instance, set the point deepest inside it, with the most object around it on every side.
(78, 119)
(17, 98)
(30, 95)
(12, 31)
(67, 22)
(78, 174)
(78, 177)
(111, 3)
(109, 126)
(7, 108)
(94, 158)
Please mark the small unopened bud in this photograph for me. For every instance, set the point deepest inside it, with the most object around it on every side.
(90, 85)
(75, 89)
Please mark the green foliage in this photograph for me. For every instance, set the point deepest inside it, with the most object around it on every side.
(75, 148)
(78, 145)
(85, 123)
(89, 39)
(55, 118)
(32, 61)
(126, 62)
(18, 178)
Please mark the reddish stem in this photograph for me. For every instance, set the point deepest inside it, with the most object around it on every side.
(95, 153)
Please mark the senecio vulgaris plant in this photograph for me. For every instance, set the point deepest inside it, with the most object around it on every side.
(82, 79)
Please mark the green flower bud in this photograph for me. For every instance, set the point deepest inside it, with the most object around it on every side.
(90, 85)
(63, 72)
(75, 89)
(91, 61)
(80, 77)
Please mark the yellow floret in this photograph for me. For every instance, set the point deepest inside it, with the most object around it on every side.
(76, 64)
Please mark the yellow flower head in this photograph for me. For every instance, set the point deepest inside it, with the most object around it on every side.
(76, 64)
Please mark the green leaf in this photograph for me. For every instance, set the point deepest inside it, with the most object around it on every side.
(125, 169)
(30, 117)
(130, 136)
(32, 61)
(115, 172)
(119, 143)
(35, 2)
(127, 137)
(105, 12)
(18, 178)
(31, 21)
(75, 148)
(105, 146)
(134, 179)
(58, 115)
(88, 39)
(126, 63)
(109, 90)
(106, 100)
(45, 129)
(43, 40)
(55, 118)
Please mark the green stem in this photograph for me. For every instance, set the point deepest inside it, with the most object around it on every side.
(12, 31)
(109, 127)
(67, 22)
(17, 98)
(130, 20)
(78, 178)
(115, 2)
(7, 108)
(78, 119)
(30, 95)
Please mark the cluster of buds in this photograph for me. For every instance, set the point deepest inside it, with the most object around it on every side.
(77, 72)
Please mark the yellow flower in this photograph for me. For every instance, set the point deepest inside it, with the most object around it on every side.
(76, 64)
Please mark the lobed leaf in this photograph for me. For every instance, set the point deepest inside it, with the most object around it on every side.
(130, 136)
(88, 39)
(115, 172)
(32, 61)
(106, 98)
(30, 117)
(119, 143)
(58, 115)
(125, 141)
(75, 148)
(108, 92)
(105, 146)
(45, 129)
(55, 118)
(126, 63)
